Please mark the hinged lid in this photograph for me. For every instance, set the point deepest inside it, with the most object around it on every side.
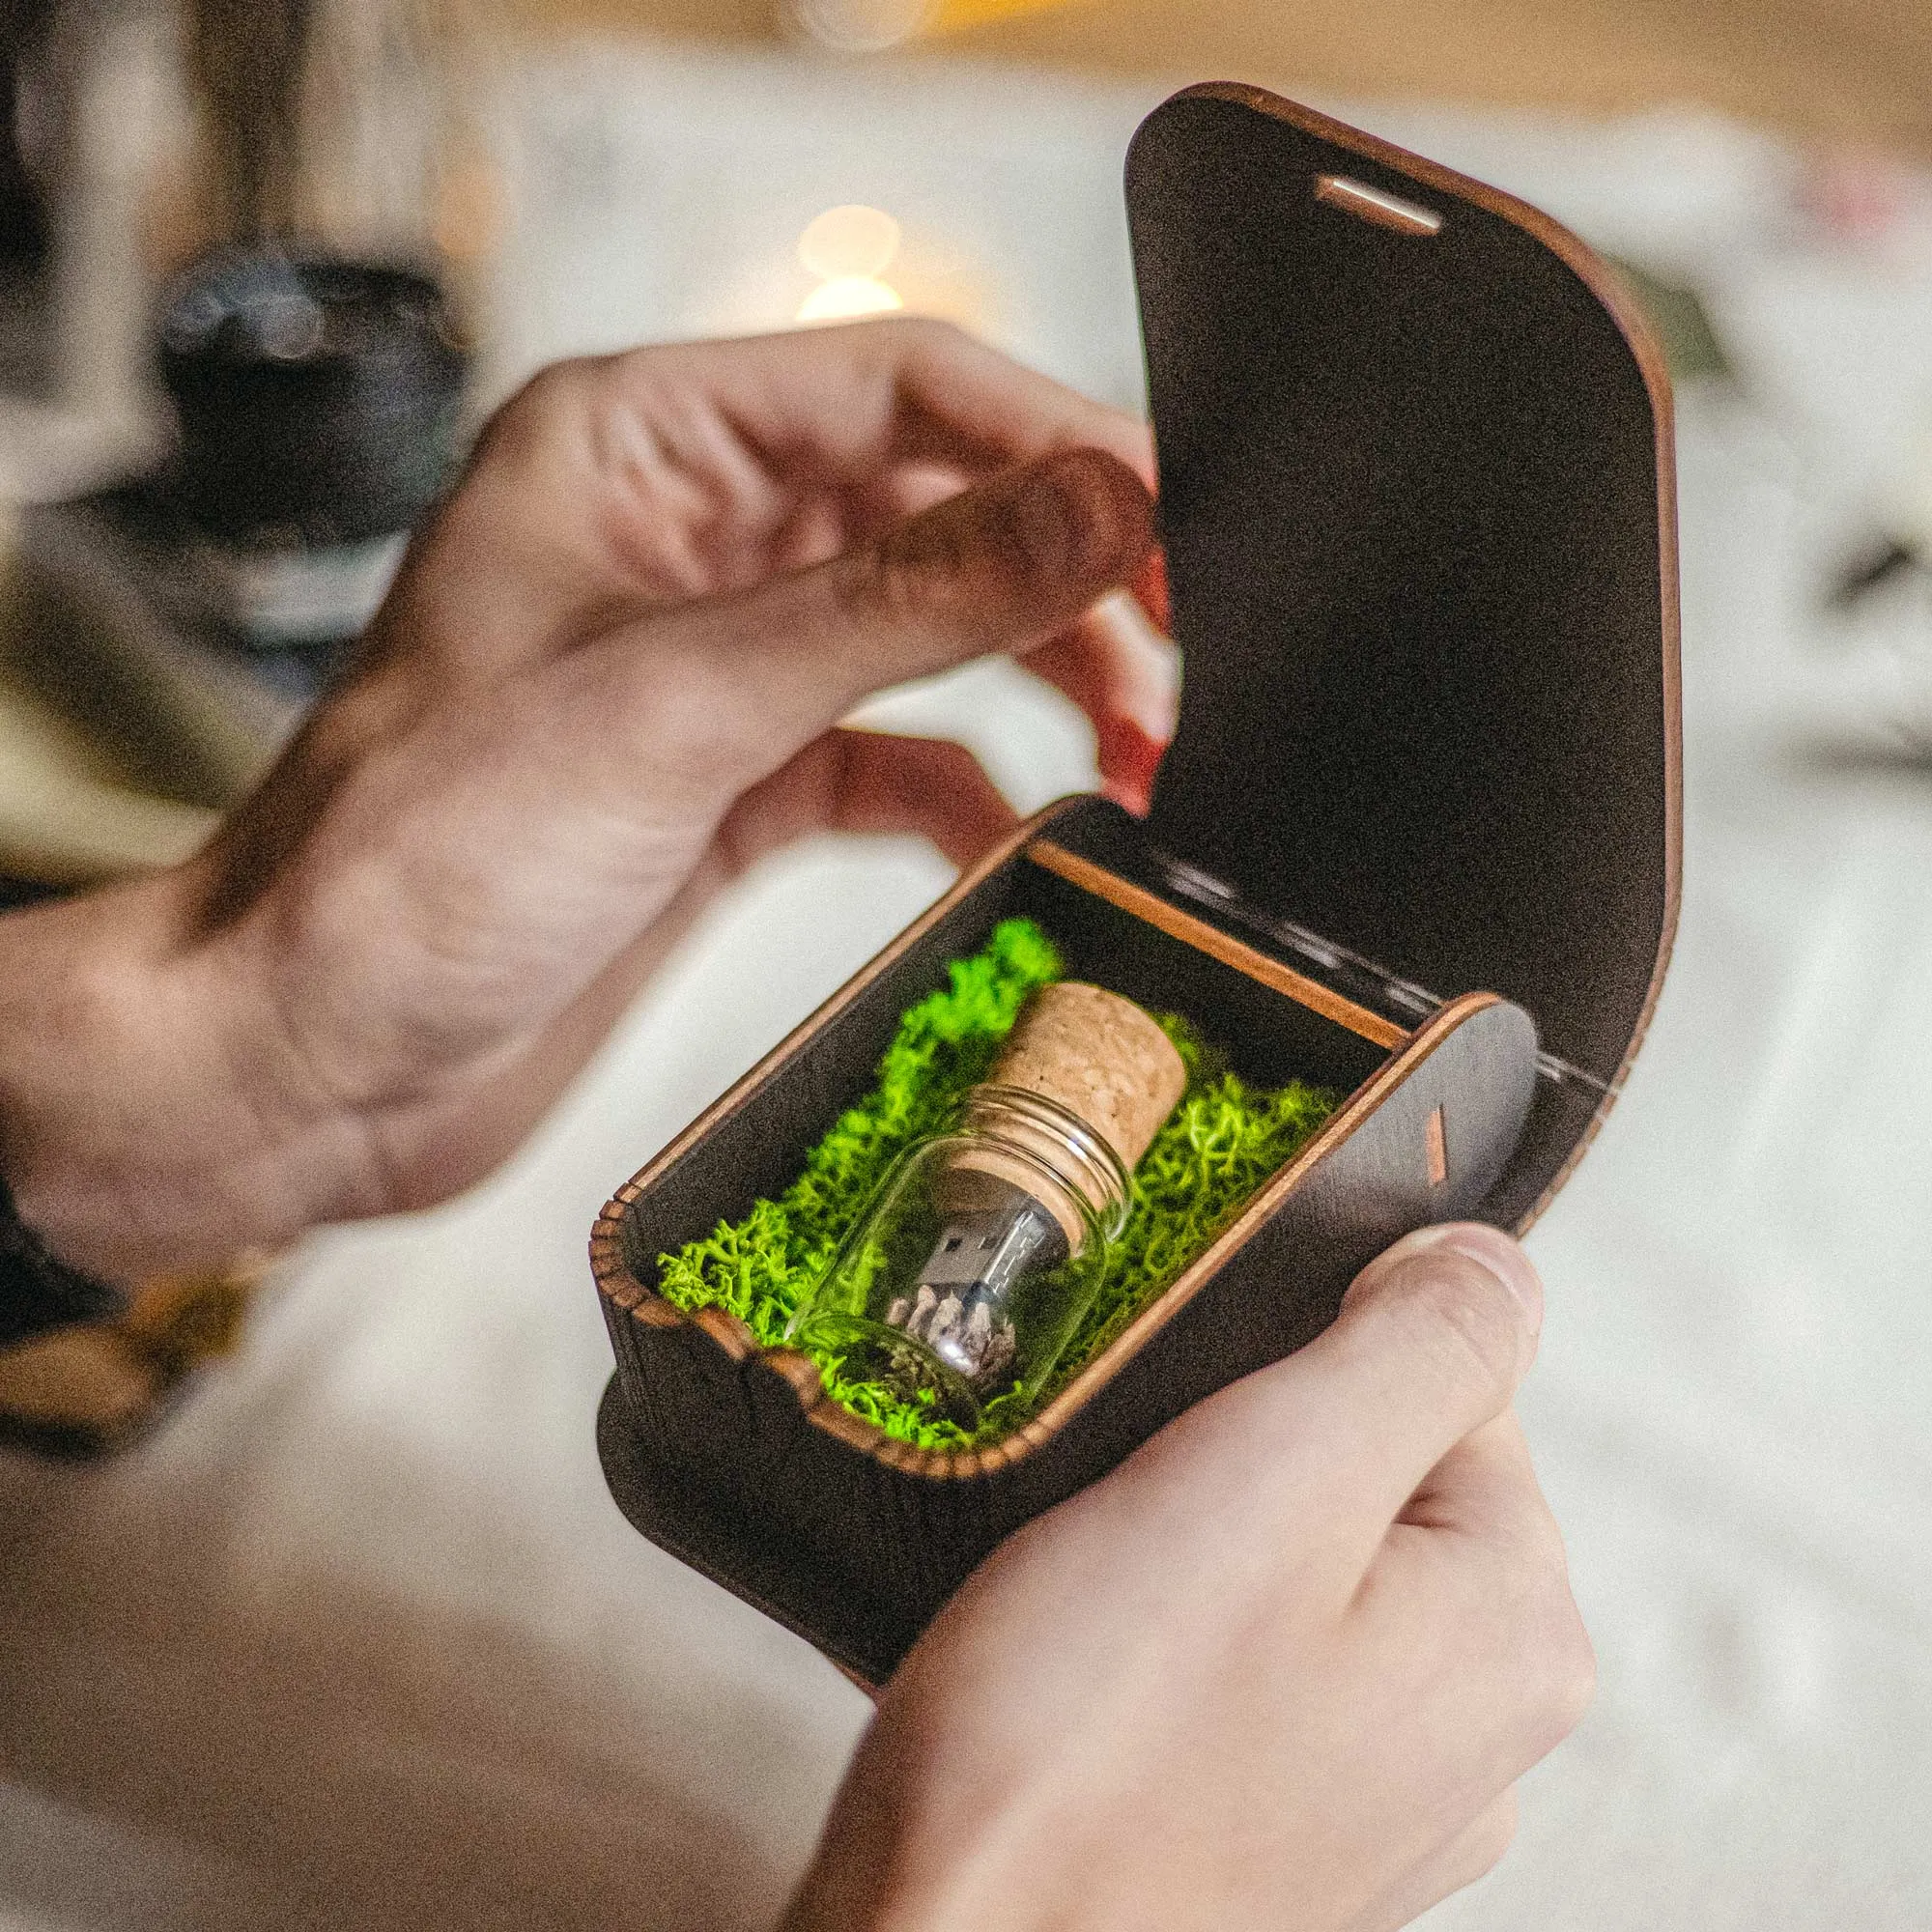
(1417, 501)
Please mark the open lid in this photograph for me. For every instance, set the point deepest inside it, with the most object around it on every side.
(1416, 495)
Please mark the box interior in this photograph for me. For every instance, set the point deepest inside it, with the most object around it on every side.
(760, 1148)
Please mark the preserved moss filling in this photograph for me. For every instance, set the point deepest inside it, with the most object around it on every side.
(1221, 1142)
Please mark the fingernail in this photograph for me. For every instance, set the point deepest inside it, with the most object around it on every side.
(1080, 517)
(1150, 588)
(1049, 524)
(1130, 761)
(1489, 1248)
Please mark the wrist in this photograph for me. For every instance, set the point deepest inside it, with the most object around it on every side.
(959, 1888)
(920, 1843)
(135, 1131)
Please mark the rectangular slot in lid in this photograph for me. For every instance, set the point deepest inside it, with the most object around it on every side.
(1371, 203)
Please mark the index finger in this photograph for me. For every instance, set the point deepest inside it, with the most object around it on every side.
(860, 395)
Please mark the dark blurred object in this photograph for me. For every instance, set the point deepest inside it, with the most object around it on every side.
(24, 891)
(24, 218)
(25, 231)
(87, 1391)
(316, 399)
(1886, 561)
(194, 613)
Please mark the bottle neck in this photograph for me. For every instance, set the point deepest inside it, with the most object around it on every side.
(1068, 1153)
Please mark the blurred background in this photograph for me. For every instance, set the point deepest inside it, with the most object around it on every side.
(347, 1630)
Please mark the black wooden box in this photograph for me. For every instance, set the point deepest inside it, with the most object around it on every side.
(1416, 839)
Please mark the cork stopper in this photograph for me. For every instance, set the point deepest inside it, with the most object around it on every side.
(1099, 1057)
(1102, 1060)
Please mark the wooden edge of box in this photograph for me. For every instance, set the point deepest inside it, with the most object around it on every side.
(801, 1375)
(1646, 348)
(1244, 958)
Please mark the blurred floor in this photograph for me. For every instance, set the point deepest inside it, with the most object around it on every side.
(357, 1639)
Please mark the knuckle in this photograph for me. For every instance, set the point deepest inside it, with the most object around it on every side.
(896, 346)
(930, 332)
(1537, 1642)
(1491, 1836)
(1556, 1669)
(923, 569)
(1571, 1676)
(1018, 553)
(541, 397)
(529, 418)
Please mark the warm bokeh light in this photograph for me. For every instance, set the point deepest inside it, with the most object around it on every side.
(872, 26)
(860, 26)
(850, 241)
(848, 295)
(848, 248)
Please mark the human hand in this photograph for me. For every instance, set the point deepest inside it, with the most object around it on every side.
(1281, 1668)
(608, 676)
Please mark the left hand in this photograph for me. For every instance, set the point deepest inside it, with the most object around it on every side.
(608, 676)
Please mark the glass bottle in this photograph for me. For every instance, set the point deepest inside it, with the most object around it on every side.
(970, 1272)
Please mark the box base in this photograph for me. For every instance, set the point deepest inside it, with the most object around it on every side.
(759, 1566)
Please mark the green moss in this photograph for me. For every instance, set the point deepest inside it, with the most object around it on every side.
(1221, 1142)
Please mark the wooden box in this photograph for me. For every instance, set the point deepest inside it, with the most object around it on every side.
(1416, 838)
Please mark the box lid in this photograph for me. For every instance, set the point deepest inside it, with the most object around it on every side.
(1416, 493)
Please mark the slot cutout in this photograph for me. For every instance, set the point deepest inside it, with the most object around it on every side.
(1437, 1148)
(1371, 203)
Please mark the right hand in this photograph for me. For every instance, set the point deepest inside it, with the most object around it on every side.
(609, 677)
(1282, 1667)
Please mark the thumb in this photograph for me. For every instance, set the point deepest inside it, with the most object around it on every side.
(1002, 567)
(1432, 1338)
